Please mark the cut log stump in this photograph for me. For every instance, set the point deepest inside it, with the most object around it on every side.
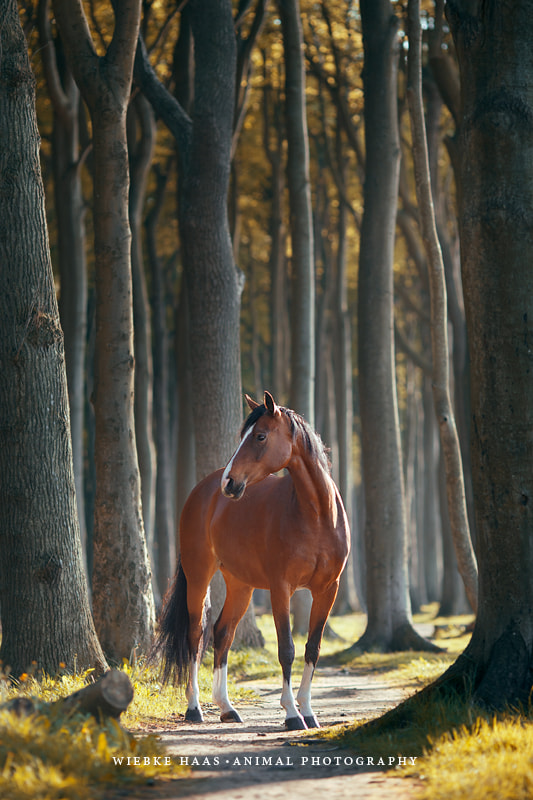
(107, 697)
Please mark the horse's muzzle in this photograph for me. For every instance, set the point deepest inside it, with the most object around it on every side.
(233, 490)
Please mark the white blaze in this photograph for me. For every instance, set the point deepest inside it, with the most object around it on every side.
(225, 474)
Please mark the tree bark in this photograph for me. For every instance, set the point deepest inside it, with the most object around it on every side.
(439, 318)
(43, 592)
(123, 602)
(69, 202)
(301, 225)
(164, 525)
(212, 282)
(389, 625)
(273, 131)
(141, 144)
(495, 149)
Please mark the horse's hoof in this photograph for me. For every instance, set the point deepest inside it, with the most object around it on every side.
(312, 722)
(194, 715)
(230, 716)
(295, 724)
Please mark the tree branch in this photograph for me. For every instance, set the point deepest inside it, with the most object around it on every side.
(164, 104)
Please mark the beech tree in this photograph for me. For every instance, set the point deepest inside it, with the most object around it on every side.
(495, 196)
(123, 603)
(389, 625)
(444, 411)
(69, 204)
(302, 322)
(44, 602)
(213, 284)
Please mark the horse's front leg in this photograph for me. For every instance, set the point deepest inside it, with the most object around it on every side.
(281, 612)
(322, 605)
(238, 596)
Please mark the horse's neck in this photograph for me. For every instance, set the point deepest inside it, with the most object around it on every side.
(314, 488)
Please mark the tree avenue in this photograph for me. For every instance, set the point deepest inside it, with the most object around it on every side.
(270, 149)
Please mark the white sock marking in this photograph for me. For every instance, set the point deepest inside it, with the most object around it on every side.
(287, 701)
(220, 689)
(304, 692)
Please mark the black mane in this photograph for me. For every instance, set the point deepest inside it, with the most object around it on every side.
(299, 426)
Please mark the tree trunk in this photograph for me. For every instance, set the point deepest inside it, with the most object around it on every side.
(211, 279)
(164, 525)
(277, 261)
(141, 144)
(302, 323)
(70, 216)
(43, 592)
(389, 625)
(342, 359)
(122, 594)
(495, 197)
(301, 225)
(439, 318)
(212, 282)
(452, 594)
(432, 515)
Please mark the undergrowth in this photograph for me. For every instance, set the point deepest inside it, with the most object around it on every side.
(47, 756)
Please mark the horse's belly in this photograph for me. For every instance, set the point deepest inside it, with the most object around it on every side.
(241, 542)
(243, 562)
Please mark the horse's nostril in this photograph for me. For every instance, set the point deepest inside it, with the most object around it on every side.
(227, 487)
(232, 489)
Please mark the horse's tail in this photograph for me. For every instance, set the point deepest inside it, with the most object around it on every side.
(172, 640)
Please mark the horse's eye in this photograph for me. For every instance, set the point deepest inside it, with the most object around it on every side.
(261, 437)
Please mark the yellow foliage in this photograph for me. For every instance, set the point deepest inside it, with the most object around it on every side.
(46, 756)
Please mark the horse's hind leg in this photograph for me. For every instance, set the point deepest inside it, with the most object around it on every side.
(322, 605)
(238, 596)
(198, 606)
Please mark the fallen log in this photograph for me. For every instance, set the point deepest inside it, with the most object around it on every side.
(107, 697)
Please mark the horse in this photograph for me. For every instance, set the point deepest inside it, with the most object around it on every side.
(265, 531)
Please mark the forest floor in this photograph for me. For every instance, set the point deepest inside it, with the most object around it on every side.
(260, 760)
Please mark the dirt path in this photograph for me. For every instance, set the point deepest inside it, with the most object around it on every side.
(260, 760)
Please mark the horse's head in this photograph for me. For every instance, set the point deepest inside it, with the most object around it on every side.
(266, 447)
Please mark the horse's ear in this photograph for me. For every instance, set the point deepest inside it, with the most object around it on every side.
(251, 402)
(270, 403)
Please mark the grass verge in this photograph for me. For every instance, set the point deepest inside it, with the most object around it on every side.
(462, 752)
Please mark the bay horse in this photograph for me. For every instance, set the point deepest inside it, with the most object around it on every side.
(262, 531)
